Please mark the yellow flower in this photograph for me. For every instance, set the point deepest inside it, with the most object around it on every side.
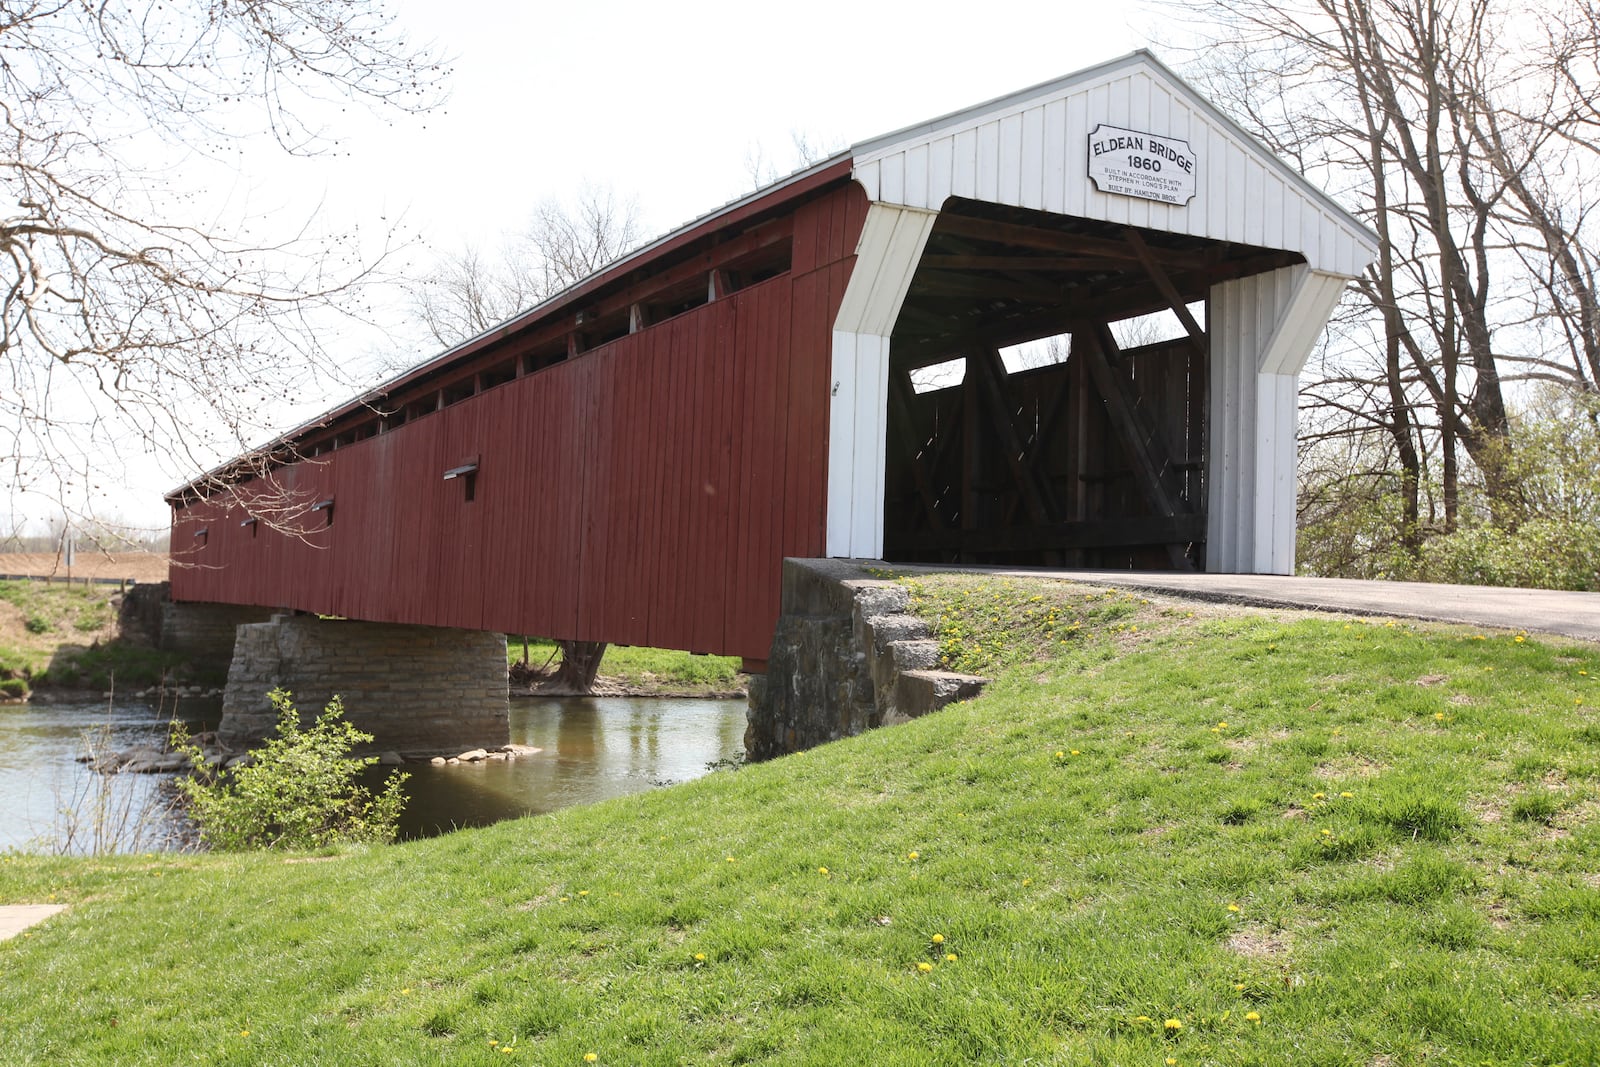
(1327, 833)
(1583, 674)
(700, 957)
(1075, 752)
(1060, 754)
(1222, 725)
(1519, 639)
(1319, 796)
(1173, 1025)
(938, 939)
(492, 1041)
(822, 870)
(1253, 1016)
(244, 1033)
(730, 860)
(589, 1057)
(1233, 907)
(1347, 795)
(1141, 1018)
(924, 967)
(950, 956)
(583, 892)
(913, 856)
(1438, 716)
(405, 992)
(1027, 881)
(1170, 1061)
(1238, 987)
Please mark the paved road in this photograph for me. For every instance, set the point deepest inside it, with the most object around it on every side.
(1540, 610)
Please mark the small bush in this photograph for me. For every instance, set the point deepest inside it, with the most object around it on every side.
(299, 791)
(37, 624)
(13, 688)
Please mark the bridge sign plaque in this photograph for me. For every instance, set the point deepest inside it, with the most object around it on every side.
(1145, 165)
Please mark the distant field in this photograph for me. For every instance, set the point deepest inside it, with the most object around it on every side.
(140, 566)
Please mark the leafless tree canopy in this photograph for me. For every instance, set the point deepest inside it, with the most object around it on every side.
(1464, 132)
(125, 324)
(562, 243)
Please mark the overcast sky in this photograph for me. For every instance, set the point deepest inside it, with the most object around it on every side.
(666, 103)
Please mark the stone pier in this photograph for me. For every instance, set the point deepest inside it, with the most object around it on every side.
(418, 690)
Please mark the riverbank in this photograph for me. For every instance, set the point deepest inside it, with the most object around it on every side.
(1162, 833)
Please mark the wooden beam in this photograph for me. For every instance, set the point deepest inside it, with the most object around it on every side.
(1008, 233)
(1153, 268)
(900, 404)
(1023, 263)
(1176, 530)
(948, 283)
(1137, 440)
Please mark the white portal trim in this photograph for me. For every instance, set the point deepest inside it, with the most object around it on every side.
(891, 243)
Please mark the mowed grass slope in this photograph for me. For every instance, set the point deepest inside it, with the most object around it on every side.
(1225, 840)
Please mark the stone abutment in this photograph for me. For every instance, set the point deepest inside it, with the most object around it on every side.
(846, 657)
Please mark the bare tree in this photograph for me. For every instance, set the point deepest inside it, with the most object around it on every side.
(562, 243)
(1461, 137)
(126, 326)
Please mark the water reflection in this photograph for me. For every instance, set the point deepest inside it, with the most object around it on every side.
(594, 748)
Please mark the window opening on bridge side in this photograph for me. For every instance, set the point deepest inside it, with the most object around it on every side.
(201, 536)
(326, 507)
(250, 524)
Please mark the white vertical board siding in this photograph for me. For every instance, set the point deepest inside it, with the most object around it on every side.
(891, 243)
(1262, 330)
(1030, 150)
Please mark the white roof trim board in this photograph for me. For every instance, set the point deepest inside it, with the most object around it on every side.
(1030, 150)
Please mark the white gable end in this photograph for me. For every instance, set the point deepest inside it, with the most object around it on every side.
(1031, 150)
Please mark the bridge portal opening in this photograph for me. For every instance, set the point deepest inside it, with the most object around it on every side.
(1047, 392)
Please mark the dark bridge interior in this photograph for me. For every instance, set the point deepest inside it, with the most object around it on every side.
(1093, 458)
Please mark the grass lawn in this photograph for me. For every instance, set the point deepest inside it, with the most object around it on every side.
(1174, 839)
(658, 669)
(52, 633)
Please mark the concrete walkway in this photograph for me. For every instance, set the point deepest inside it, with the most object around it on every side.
(15, 918)
(1534, 610)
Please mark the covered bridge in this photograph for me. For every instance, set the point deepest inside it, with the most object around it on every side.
(631, 460)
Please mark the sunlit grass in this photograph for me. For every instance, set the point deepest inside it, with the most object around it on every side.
(1225, 840)
(653, 668)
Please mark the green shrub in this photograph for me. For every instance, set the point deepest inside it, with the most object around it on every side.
(298, 791)
(12, 688)
(37, 624)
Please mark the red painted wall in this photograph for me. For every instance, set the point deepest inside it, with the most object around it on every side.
(643, 493)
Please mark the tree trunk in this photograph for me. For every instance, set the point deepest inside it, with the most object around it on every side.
(580, 662)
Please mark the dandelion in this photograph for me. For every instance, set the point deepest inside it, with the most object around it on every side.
(1060, 754)
(1583, 674)
(1327, 833)
(950, 957)
(938, 939)
(1519, 639)
(1319, 796)
(1233, 907)
(244, 1033)
(583, 892)
(924, 967)
(1075, 752)
(406, 992)
(1171, 1062)
(1438, 716)
(730, 860)
(913, 856)
(1253, 1016)
(1141, 1018)
(822, 870)
(589, 1057)
(1172, 1025)
(1347, 795)
(1027, 882)
(699, 957)
(1238, 987)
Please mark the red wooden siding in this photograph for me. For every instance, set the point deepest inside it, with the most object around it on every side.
(643, 493)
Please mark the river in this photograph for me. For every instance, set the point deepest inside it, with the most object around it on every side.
(594, 748)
